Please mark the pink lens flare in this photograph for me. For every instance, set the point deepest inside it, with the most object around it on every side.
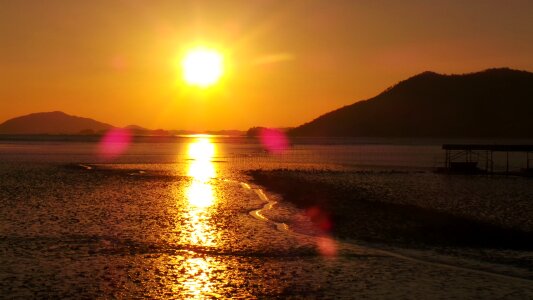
(273, 140)
(320, 218)
(326, 246)
(114, 142)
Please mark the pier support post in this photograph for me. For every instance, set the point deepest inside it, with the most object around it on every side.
(487, 161)
(507, 163)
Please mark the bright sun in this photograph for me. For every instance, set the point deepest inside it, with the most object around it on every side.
(202, 67)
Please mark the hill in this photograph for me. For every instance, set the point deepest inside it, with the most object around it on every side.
(136, 130)
(491, 103)
(52, 123)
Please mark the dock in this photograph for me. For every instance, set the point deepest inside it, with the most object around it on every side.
(476, 158)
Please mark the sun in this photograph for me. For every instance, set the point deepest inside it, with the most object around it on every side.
(202, 67)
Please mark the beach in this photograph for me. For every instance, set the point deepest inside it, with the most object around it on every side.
(147, 226)
(483, 217)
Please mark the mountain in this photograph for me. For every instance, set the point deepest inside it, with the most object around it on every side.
(226, 132)
(52, 123)
(136, 128)
(57, 123)
(256, 131)
(141, 131)
(491, 103)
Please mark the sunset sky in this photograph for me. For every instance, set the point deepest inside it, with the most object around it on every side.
(285, 62)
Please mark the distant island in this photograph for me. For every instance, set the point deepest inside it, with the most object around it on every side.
(491, 103)
(55, 122)
(60, 123)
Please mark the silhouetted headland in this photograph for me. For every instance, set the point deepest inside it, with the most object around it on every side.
(492, 103)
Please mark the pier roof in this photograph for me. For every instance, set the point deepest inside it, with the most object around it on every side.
(493, 147)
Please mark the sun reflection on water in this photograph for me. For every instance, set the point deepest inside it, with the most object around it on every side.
(200, 194)
(201, 171)
(202, 149)
(198, 283)
(201, 198)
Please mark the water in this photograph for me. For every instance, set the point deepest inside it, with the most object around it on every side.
(174, 220)
(239, 150)
(356, 153)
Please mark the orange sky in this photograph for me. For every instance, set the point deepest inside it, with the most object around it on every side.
(287, 61)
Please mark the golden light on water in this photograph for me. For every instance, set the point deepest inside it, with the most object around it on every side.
(201, 149)
(201, 197)
(200, 193)
(201, 170)
(194, 276)
(199, 283)
(202, 67)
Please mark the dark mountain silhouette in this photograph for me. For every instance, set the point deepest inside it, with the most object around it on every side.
(492, 103)
(227, 132)
(141, 131)
(136, 127)
(256, 131)
(59, 123)
(52, 123)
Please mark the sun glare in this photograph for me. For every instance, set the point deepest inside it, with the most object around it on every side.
(202, 149)
(202, 67)
(201, 169)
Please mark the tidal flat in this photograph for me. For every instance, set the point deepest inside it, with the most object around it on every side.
(114, 231)
(157, 226)
(487, 218)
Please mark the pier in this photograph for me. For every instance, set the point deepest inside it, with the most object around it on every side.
(475, 158)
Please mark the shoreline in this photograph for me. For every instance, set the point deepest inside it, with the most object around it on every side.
(350, 212)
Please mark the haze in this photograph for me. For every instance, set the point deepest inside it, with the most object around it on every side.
(286, 61)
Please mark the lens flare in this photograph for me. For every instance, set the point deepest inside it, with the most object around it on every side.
(326, 246)
(114, 143)
(273, 140)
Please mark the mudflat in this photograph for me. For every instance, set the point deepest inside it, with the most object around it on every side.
(134, 230)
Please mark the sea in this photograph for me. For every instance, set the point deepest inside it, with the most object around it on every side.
(363, 153)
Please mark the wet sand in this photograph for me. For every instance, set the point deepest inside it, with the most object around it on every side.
(129, 231)
(420, 211)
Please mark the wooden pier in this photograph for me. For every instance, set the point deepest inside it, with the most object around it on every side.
(475, 158)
